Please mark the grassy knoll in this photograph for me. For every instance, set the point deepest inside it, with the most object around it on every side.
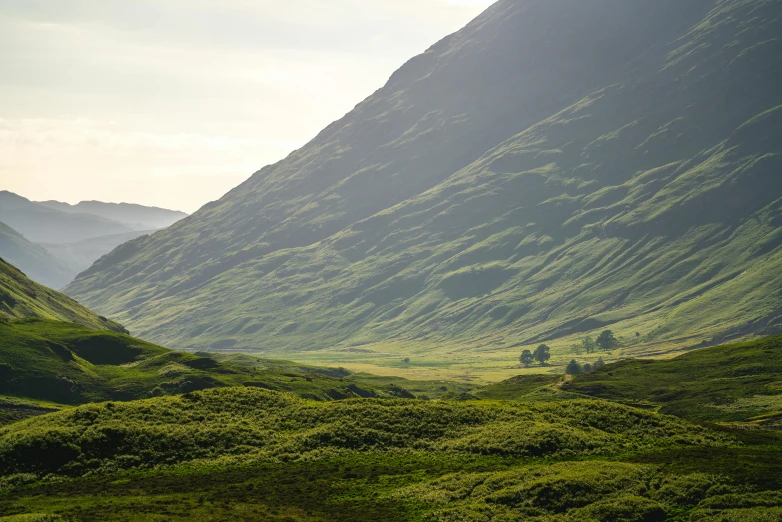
(731, 383)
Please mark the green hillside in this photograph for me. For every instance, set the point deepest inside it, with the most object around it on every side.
(67, 363)
(553, 168)
(22, 298)
(732, 383)
(249, 454)
(33, 259)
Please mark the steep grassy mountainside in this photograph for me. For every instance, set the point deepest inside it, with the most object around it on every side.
(33, 259)
(139, 217)
(555, 167)
(729, 383)
(22, 298)
(249, 454)
(41, 224)
(80, 255)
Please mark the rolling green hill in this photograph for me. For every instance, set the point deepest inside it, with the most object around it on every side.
(33, 259)
(65, 363)
(732, 383)
(553, 168)
(22, 298)
(249, 454)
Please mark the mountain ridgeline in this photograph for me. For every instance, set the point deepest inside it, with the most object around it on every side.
(53, 242)
(555, 167)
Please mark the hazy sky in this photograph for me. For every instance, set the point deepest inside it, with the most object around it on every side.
(174, 102)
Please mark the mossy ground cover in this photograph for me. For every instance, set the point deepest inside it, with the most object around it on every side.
(248, 454)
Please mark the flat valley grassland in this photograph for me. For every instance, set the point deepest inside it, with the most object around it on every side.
(479, 362)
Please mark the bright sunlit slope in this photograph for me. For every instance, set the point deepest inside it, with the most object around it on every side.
(21, 298)
(555, 167)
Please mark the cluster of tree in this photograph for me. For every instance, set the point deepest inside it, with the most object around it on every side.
(575, 367)
(541, 354)
(605, 341)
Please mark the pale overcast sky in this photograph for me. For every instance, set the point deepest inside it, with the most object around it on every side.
(174, 102)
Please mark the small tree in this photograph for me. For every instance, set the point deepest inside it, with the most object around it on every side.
(606, 340)
(406, 360)
(542, 354)
(576, 349)
(588, 345)
(573, 368)
(600, 364)
(527, 358)
(587, 368)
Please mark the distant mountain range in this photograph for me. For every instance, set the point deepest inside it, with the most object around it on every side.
(52, 242)
(39, 264)
(554, 168)
(137, 216)
(42, 224)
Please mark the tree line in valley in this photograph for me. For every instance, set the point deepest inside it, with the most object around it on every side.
(606, 341)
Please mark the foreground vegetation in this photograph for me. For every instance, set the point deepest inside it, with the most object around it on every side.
(532, 448)
(250, 454)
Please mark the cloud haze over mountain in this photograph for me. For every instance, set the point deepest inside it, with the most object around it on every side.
(133, 100)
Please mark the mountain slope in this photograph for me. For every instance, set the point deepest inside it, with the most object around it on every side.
(33, 259)
(554, 167)
(41, 224)
(139, 217)
(22, 298)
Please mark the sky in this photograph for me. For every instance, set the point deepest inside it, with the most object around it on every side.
(172, 103)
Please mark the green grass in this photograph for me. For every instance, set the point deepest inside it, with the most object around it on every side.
(731, 383)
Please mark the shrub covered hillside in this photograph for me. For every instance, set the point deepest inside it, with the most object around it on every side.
(732, 383)
(555, 167)
(250, 454)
